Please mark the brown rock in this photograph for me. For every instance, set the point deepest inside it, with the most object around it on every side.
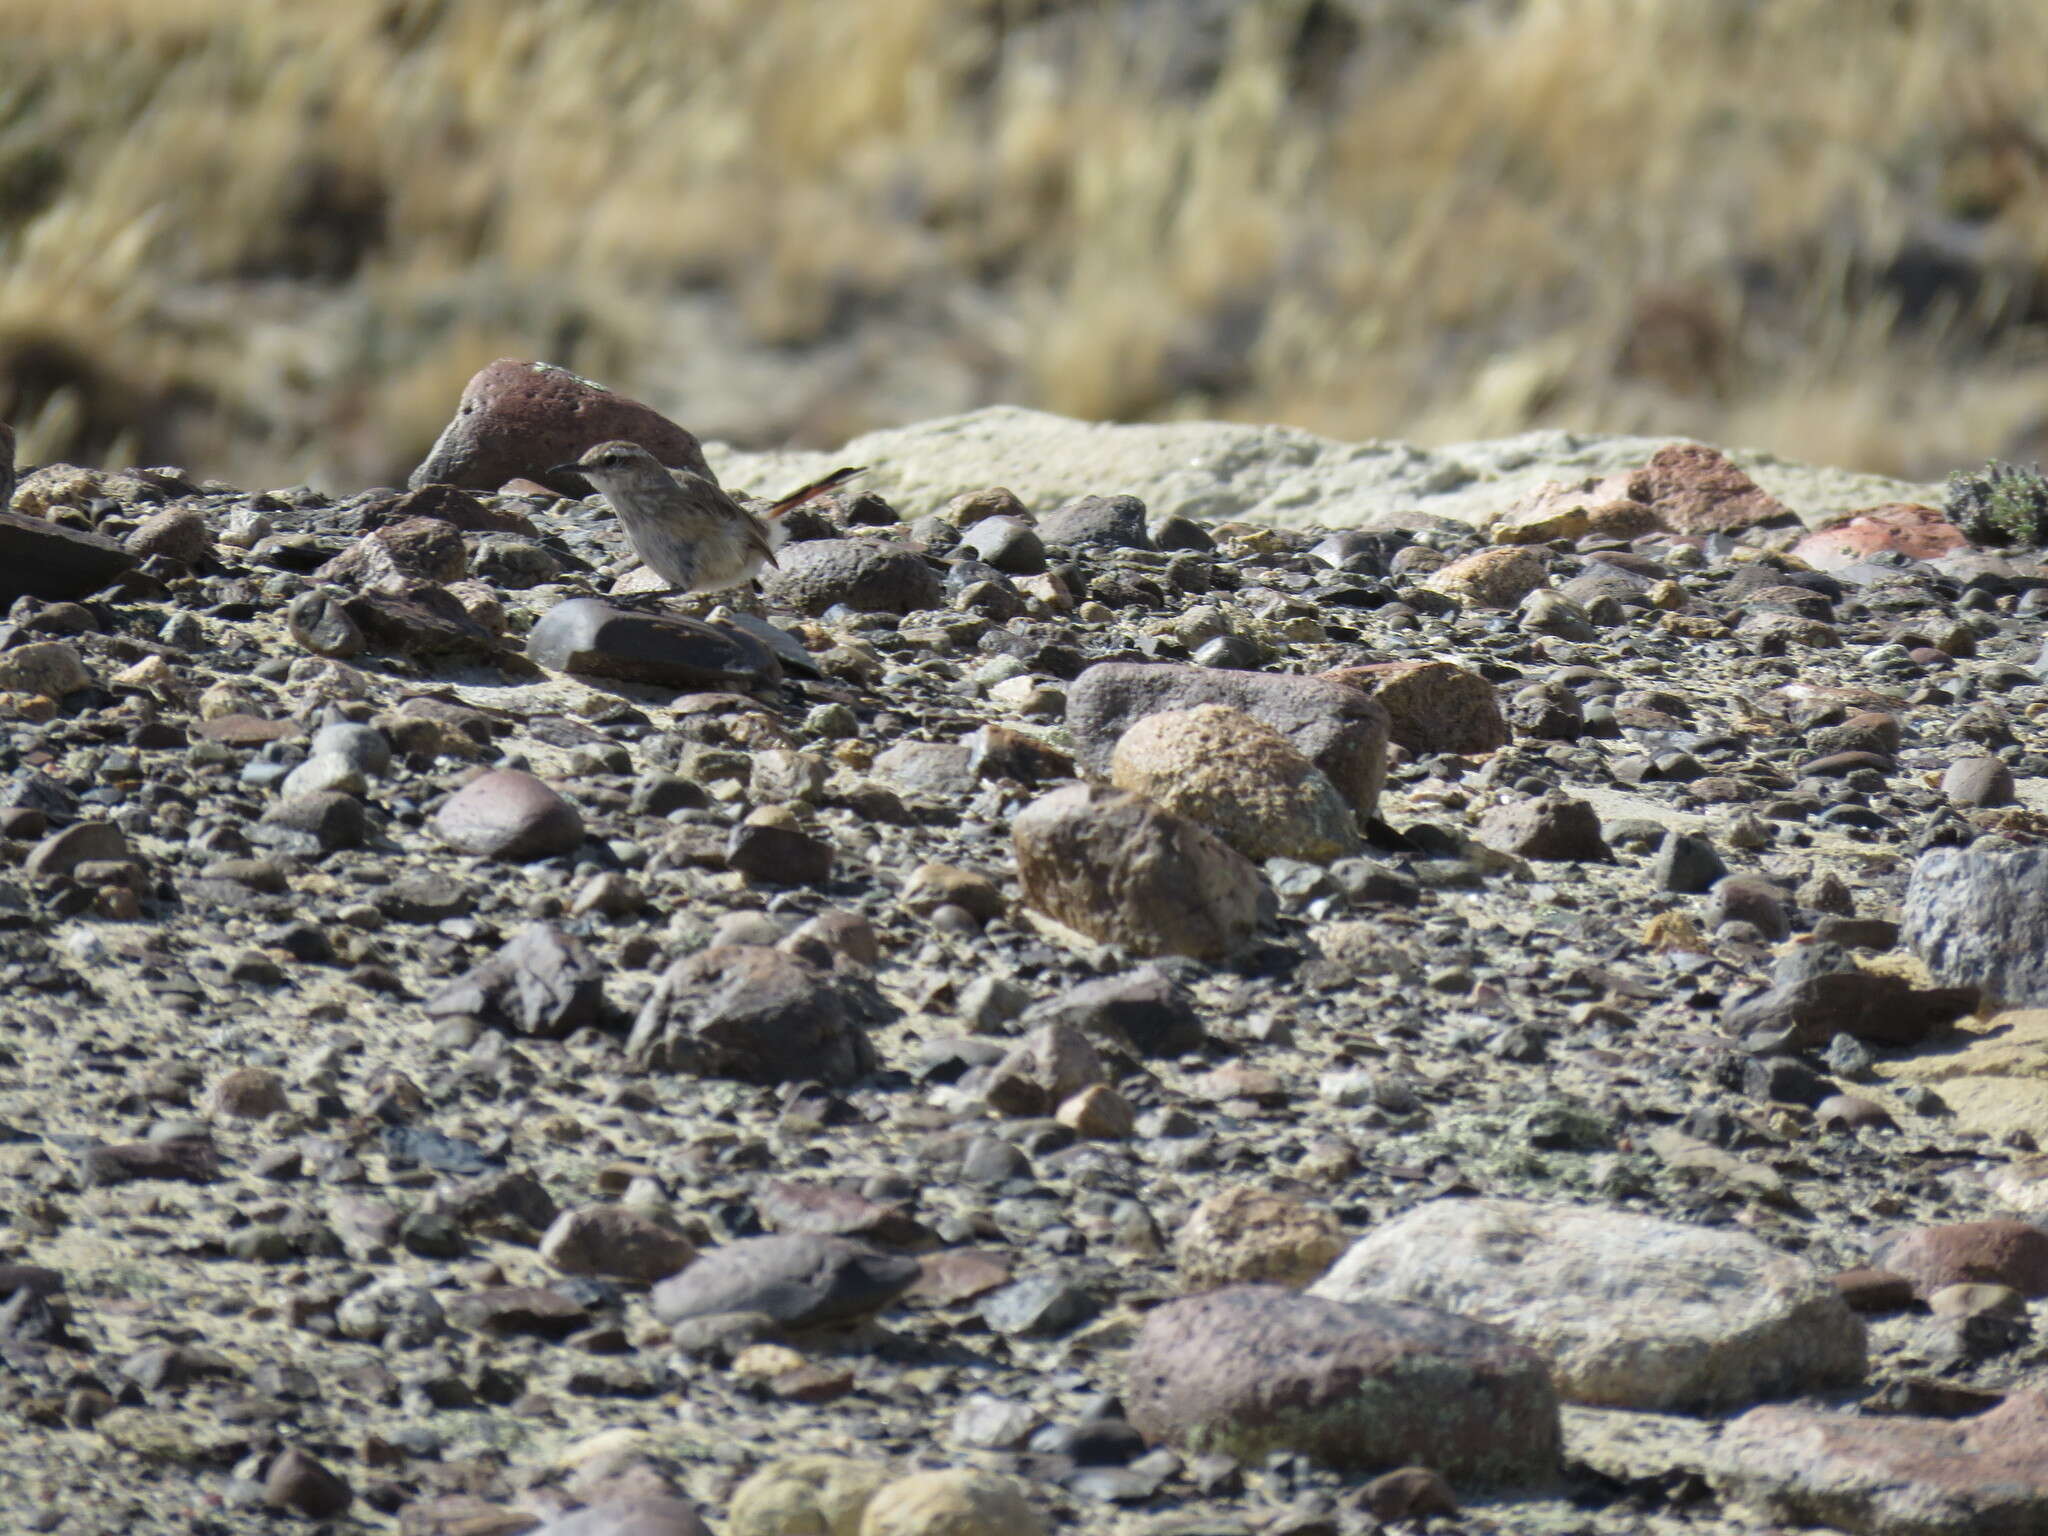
(1098, 1113)
(1432, 706)
(506, 814)
(792, 1205)
(187, 1160)
(83, 842)
(452, 505)
(946, 1279)
(1049, 1066)
(419, 548)
(933, 885)
(752, 1013)
(1978, 781)
(1695, 489)
(1873, 1290)
(516, 420)
(178, 533)
(250, 1093)
(2013, 1253)
(1359, 1386)
(541, 982)
(302, 1485)
(613, 1241)
(1886, 1476)
(1122, 871)
(1552, 826)
(1409, 1493)
(1903, 527)
(528, 1311)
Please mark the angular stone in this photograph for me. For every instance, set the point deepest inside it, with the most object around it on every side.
(53, 562)
(542, 982)
(449, 504)
(420, 619)
(507, 814)
(1695, 489)
(1980, 918)
(417, 549)
(1552, 826)
(1117, 868)
(1144, 1012)
(616, 1242)
(1340, 730)
(302, 1485)
(802, 1280)
(758, 1015)
(1363, 1387)
(517, 420)
(594, 639)
(768, 854)
(1631, 1311)
(1891, 1476)
(1051, 1064)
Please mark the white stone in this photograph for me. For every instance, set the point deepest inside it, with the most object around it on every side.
(1280, 475)
(1631, 1311)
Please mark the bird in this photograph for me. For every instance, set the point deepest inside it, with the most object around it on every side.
(683, 527)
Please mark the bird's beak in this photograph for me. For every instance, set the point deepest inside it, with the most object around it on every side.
(565, 469)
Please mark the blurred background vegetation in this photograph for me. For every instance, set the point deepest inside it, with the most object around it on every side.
(269, 239)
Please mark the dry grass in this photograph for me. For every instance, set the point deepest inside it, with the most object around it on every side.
(271, 237)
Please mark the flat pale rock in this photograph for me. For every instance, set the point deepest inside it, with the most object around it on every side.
(1219, 471)
(1631, 1311)
(961, 1501)
(824, 1495)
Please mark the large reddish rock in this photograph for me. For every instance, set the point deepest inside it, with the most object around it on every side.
(1695, 489)
(1901, 527)
(1892, 1476)
(1361, 1387)
(1432, 706)
(516, 420)
(2013, 1253)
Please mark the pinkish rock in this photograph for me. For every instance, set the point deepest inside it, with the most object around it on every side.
(1919, 532)
(2013, 1253)
(506, 814)
(615, 1241)
(1254, 1369)
(518, 419)
(1981, 1476)
(1695, 489)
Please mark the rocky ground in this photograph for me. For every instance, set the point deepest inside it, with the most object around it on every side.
(1047, 1017)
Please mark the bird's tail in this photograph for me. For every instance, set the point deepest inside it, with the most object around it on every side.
(797, 498)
